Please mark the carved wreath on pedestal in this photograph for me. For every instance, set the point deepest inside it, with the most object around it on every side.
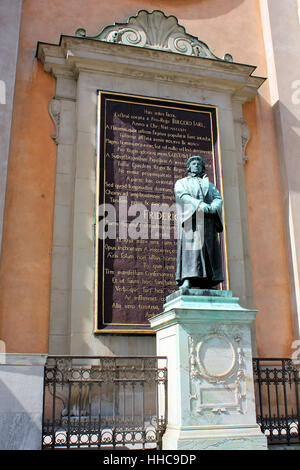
(157, 31)
(210, 381)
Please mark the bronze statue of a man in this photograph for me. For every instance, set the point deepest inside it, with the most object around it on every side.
(199, 204)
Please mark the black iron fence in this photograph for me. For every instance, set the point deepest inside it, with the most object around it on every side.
(104, 402)
(277, 399)
(121, 402)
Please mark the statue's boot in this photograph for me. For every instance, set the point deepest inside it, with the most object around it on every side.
(186, 284)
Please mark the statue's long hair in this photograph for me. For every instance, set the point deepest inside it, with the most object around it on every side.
(195, 157)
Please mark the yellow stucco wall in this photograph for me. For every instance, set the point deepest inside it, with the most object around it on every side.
(232, 26)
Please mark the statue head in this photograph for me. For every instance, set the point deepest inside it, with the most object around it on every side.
(198, 159)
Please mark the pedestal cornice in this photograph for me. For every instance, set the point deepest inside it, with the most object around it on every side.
(188, 307)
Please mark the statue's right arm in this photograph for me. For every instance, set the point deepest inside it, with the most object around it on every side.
(188, 204)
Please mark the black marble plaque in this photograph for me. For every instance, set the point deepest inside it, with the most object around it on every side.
(143, 145)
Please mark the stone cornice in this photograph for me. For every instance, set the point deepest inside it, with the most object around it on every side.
(74, 55)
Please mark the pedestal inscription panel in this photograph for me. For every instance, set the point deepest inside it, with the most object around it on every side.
(217, 372)
(143, 145)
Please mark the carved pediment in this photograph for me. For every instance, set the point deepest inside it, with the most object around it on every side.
(157, 31)
(105, 53)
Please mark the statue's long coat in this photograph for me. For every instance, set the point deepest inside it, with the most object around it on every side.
(198, 252)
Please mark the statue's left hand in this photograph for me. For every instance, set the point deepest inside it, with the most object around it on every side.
(204, 207)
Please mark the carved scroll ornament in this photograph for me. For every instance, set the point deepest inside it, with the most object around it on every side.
(156, 31)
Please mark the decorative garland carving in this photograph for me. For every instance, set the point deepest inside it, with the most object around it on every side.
(245, 136)
(54, 111)
(157, 31)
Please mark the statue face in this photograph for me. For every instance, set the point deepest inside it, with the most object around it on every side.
(196, 166)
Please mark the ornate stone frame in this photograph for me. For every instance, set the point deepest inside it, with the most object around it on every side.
(231, 381)
(84, 64)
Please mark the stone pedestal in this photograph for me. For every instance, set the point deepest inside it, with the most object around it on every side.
(21, 402)
(206, 337)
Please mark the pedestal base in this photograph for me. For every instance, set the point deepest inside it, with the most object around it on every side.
(240, 438)
(206, 337)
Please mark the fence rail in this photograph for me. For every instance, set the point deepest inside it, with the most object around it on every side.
(104, 402)
(121, 402)
(277, 399)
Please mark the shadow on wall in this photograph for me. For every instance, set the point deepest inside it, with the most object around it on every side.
(205, 10)
(285, 118)
(271, 250)
(288, 162)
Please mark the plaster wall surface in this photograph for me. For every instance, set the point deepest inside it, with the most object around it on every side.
(25, 276)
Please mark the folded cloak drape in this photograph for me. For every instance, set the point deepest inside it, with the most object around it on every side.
(198, 250)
